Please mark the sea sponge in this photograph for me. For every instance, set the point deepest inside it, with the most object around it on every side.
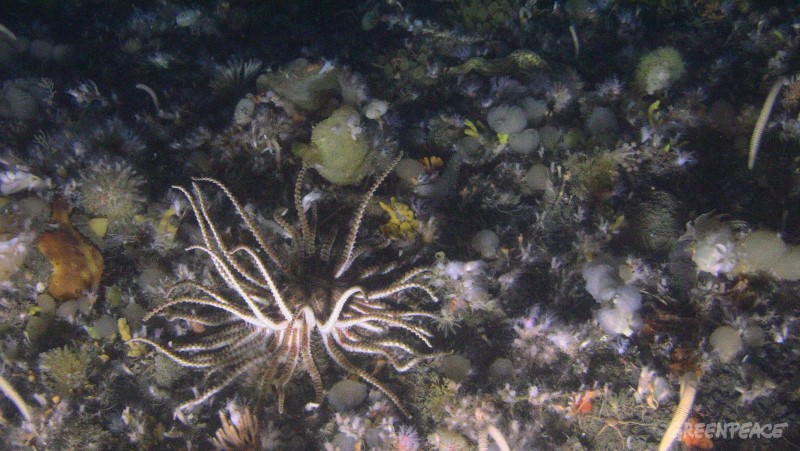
(486, 243)
(654, 221)
(621, 303)
(524, 142)
(375, 109)
(346, 395)
(501, 370)
(17, 102)
(602, 125)
(714, 250)
(41, 50)
(306, 85)
(409, 170)
(507, 119)
(456, 367)
(550, 137)
(339, 148)
(659, 70)
(243, 112)
(10, 45)
(403, 224)
(593, 177)
(628, 299)
(535, 110)
(537, 179)
(602, 279)
(353, 88)
(765, 251)
(63, 53)
(66, 370)
(618, 322)
(621, 317)
(77, 264)
(111, 190)
(12, 254)
(726, 342)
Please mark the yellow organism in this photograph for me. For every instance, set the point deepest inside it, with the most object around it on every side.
(136, 349)
(402, 225)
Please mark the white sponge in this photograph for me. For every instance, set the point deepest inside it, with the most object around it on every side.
(601, 279)
(618, 315)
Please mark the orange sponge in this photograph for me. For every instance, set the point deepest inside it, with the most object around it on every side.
(77, 264)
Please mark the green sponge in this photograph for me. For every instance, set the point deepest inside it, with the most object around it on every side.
(659, 69)
(338, 149)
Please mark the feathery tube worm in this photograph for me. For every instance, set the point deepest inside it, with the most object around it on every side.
(763, 117)
(689, 383)
(15, 398)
